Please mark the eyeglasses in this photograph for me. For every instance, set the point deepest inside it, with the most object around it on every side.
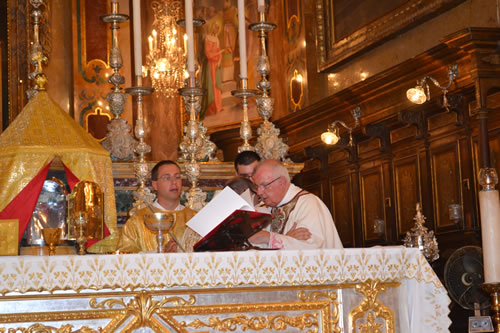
(264, 185)
(167, 178)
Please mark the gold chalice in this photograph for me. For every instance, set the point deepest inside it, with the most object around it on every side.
(160, 223)
(52, 237)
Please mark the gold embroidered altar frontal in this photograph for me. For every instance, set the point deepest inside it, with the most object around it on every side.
(352, 290)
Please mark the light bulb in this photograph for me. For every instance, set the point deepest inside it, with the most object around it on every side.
(416, 95)
(330, 138)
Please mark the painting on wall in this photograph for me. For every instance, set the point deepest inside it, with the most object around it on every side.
(347, 28)
(218, 57)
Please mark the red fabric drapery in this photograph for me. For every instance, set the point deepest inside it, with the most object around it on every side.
(23, 205)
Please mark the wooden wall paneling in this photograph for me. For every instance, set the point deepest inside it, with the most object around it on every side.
(469, 206)
(446, 183)
(342, 209)
(389, 225)
(372, 197)
(407, 192)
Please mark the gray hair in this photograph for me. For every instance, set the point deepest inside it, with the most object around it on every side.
(277, 169)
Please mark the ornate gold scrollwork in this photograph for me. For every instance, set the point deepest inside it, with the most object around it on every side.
(40, 328)
(142, 308)
(370, 309)
(277, 322)
(334, 306)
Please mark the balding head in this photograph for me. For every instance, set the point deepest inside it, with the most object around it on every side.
(272, 181)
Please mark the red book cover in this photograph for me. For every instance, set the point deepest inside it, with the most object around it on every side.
(232, 234)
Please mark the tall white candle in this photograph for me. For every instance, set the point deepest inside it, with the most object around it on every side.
(190, 34)
(136, 6)
(114, 6)
(261, 6)
(150, 42)
(242, 39)
(489, 204)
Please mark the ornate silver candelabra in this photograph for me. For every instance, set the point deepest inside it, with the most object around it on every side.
(141, 167)
(245, 130)
(37, 58)
(193, 145)
(421, 238)
(119, 141)
(207, 149)
(269, 145)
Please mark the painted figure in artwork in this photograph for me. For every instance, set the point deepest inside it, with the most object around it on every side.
(230, 15)
(212, 72)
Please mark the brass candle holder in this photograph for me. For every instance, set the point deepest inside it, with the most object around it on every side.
(494, 290)
(245, 130)
(52, 236)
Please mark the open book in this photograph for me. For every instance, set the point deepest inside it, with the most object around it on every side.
(226, 222)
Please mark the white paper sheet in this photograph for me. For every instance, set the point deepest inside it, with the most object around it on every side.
(216, 211)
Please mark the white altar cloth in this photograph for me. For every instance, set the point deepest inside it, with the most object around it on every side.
(424, 307)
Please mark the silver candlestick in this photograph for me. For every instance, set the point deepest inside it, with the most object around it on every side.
(245, 130)
(207, 149)
(269, 145)
(195, 196)
(119, 141)
(37, 58)
(142, 171)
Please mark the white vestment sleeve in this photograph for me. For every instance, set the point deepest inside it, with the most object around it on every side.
(311, 213)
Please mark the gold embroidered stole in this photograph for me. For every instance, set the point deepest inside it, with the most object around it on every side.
(281, 213)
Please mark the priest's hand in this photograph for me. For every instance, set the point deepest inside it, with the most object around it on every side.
(299, 233)
(171, 246)
(261, 237)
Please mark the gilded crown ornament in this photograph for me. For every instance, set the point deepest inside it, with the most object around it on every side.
(419, 237)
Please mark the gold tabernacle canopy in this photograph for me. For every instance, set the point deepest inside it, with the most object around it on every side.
(40, 133)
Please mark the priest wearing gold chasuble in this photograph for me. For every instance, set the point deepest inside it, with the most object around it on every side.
(136, 237)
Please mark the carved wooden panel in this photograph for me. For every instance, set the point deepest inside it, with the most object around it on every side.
(446, 175)
(372, 201)
(316, 189)
(341, 208)
(406, 192)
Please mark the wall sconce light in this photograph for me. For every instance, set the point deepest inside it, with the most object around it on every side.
(379, 226)
(420, 94)
(455, 212)
(332, 136)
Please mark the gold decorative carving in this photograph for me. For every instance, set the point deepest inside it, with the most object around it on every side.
(39, 328)
(277, 322)
(143, 300)
(334, 316)
(370, 326)
(370, 309)
(142, 308)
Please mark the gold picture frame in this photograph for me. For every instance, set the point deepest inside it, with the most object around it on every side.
(333, 51)
(9, 237)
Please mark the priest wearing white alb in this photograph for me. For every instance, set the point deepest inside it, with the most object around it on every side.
(293, 208)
